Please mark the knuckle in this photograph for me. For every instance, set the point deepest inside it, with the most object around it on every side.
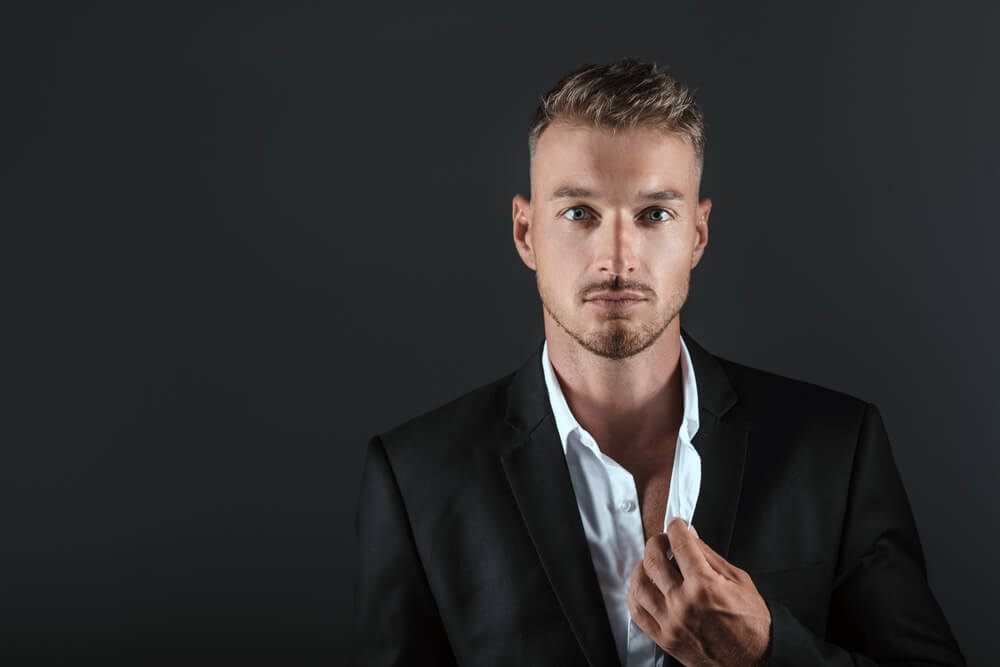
(675, 600)
(683, 547)
(707, 592)
(656, 545)
(653, 559)
(699, 590)
(659, 541)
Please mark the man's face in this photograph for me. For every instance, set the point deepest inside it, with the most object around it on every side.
(612, 231)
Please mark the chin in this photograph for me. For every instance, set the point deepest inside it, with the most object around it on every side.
(617, 342)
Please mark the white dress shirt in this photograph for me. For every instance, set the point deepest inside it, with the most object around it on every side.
(609, 506)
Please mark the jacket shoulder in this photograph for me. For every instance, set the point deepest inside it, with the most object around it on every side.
(765, 394)
(466, 418)
(797, 424)
(449, 451)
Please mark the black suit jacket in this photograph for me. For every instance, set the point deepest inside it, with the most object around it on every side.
(472, 550)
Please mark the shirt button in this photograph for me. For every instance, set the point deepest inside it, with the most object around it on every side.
(626, 506)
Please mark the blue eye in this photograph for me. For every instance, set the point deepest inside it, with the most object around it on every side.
(666, 217)
(579, 213)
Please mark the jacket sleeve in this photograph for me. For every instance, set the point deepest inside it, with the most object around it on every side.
(882, 610)
(395, 616)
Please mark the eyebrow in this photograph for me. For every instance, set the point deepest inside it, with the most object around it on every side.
(571, 192)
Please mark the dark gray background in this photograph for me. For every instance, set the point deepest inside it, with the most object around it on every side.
(258, 234)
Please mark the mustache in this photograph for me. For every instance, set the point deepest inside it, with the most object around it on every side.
(616, 284)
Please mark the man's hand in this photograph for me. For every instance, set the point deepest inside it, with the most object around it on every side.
(708, 613)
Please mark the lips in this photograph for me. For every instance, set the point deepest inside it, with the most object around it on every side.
(617, 296)
(617, 301)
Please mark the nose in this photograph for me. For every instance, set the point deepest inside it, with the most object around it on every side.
(617, 241)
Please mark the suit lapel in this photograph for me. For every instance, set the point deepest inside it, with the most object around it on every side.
(722, 445)
(535, 466)
(541, 483)
(536, 469)
(722, 450)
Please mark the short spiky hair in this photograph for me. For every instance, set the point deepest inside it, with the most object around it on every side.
(622, 95)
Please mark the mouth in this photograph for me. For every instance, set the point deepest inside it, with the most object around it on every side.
(616, 301)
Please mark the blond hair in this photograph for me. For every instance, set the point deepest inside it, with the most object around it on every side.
(622, 95)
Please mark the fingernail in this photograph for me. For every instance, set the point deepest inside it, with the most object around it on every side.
(693, 530)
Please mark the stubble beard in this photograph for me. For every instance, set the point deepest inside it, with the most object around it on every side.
(622, 339)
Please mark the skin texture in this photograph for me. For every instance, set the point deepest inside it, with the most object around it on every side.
(620, 370)
(704, 610)
(620, 367)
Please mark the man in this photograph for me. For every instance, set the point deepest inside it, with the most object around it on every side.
(543, 519)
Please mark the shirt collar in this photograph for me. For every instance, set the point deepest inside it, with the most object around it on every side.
(566, 423)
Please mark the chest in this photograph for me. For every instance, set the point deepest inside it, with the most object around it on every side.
(652, 484)
(653, 489)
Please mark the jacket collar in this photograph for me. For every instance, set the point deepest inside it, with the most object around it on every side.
(528, 403)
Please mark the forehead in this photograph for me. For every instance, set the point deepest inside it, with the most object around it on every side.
(637, 158)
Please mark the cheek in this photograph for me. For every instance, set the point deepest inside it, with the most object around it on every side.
(559, 260)
(672, 255)
(554, 278)
(673, 278)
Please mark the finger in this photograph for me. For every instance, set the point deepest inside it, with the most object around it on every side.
(646, 592)
(642, 618)
(662, 571)
(718, 563)
(688, 554)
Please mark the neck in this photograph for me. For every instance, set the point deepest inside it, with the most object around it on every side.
(626, 404)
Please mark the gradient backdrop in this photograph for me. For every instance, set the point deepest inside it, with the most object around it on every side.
(253, 235)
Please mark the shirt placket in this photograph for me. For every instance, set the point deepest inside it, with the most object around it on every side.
(624, 507)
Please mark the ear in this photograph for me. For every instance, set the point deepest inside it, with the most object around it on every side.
(701, 230)
(522, 231)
